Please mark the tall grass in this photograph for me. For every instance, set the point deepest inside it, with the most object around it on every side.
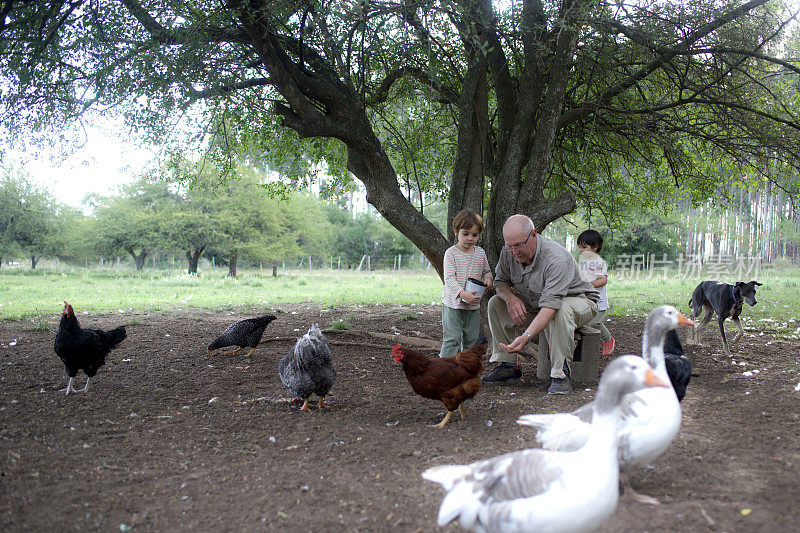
(26, 293)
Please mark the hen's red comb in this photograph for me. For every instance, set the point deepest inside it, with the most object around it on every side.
(396, 348)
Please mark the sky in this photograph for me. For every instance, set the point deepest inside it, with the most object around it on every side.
(105, 161)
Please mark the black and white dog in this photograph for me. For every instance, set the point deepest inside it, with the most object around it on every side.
(726, 301)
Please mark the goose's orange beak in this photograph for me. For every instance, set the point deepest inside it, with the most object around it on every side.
(651, 380)
(683, 321)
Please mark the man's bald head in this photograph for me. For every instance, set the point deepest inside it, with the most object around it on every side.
(518, 225)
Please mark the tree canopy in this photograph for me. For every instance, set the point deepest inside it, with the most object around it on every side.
(527, 106)
(29, 219)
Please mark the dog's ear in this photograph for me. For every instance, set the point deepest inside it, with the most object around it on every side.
(738, 284)
(757, 283)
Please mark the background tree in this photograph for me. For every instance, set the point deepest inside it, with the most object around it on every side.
(28, 219)
(9, 208)
(249, 218)
(547, 105)
(367, 235)
(304, 228)
(132, 221)
(191, 224)
(74, 236)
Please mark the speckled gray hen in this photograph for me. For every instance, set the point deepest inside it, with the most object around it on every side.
(308, 368)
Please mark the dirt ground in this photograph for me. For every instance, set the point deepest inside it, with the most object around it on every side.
(171, 438)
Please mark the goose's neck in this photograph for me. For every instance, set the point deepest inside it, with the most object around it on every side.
(653, 353)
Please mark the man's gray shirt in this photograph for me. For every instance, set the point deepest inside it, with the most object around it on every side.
(551, 276)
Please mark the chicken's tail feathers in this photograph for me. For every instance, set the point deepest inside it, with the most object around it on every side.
(117, 335)
(315, 334)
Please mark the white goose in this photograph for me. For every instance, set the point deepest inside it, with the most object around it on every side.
(544, 490)
(650, 418)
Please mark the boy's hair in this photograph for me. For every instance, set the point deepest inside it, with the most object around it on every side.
(591, 238)
(465, 219)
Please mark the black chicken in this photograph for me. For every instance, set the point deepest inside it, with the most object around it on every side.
(83, 349)
(308, 368)
(244, 334)
(679, 368)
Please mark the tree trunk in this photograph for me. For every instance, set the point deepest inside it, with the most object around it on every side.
(34, 260)
(193, 257)
(232, 265)
(466, 188)
(138, 259)
(373, 168)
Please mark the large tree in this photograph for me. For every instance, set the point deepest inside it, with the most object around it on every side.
(538, 106)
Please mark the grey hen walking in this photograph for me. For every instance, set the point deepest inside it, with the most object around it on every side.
(308, 368)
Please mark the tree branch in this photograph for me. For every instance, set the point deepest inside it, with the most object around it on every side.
(449, 96)
(231, 87)
(652, 66)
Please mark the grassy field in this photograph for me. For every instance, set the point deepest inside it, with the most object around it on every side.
(31, 295)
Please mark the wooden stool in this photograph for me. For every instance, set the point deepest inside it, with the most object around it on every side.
(585, 359)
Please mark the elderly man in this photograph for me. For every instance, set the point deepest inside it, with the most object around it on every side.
(539, 288)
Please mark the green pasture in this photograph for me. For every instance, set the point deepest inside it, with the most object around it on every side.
(39, 295)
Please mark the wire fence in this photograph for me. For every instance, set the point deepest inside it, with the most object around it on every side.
(626, 266)
(160, 261)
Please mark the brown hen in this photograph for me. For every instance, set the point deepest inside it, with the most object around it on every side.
(451, 380)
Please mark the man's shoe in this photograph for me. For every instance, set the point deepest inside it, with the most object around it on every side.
(503, 373)
(559, 386)
(608, 347)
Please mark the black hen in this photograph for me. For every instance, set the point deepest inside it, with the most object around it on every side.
(679, 368)
(308, 368)
(244, 334)
(83, 349)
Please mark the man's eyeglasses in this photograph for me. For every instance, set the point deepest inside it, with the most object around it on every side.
(520, 245)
